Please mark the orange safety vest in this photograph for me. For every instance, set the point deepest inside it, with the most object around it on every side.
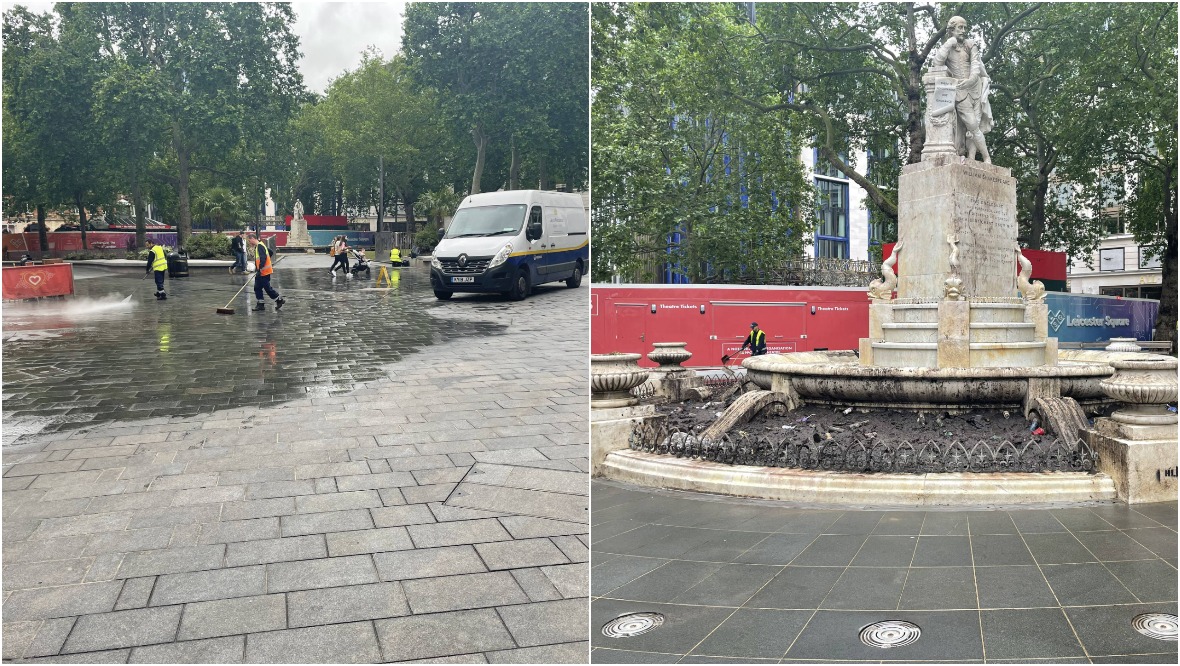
(263, 268)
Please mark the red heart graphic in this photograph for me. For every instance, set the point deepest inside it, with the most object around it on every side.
(34, 280)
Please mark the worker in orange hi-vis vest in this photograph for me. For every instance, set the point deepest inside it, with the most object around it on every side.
(265, 268)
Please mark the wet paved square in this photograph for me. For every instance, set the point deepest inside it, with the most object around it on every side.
(748, 581)
(184, 486)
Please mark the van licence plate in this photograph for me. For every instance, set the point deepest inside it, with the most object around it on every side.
(462, 279)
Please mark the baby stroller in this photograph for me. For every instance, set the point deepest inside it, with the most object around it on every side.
(360, 263)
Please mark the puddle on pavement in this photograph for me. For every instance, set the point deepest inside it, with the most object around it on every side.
(76, 362)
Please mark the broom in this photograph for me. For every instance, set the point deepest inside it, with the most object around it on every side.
(227, 310)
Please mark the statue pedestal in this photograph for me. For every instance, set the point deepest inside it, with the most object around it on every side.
(298, 236)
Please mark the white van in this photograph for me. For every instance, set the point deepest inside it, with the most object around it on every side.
(507, 242)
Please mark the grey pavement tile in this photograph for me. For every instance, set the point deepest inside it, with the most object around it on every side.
(942, 551)
(65, 601)
(1080, 519)
(730, 585)
(131, 502)
(456, 533)
(542, 504)
(519, 554)
(181, 515)
(208, 495)
(104, 568)
(1058, 548)
(776, 549)
(240, 530)
(939, 588)
(345, 604)
(1165, 513)
(1109, 546)
(855, 522)
(205, 585)
(274, 489)
(19, 530)
(876, 588)
(185, 481)
(225, 650)
(562, 653)
(35, 469)
(53, 528)
(999, 550)
(572, 548)
(428, 562)
(618, 571)
(16, 637)
(1125, 516)
(45, 574)
(571, 580)
(1029, 633)
(1084, 584)
(1149, 580)
(990, 523)
(1107, 630)
(50, 637)
(443, 634)
(946, 636)
(127, 541)
(667, 582)
(121, 629)
(228, 617)
(526, 527)
(337, 501)
(684, 626)
(395, 516)
(546, 622)
(536, 585)
(451, 659)
(1159, 540)
(831, 550)
(387, 479)
(886, 551)
(1033, 521)
(58, 509)
(312, 574)
(1013, 587)
(754, 634)
(136, 593)
(320, 523)
(266, 551)
(1156, 658)
(260, 508)
(797, 588)
(172, 560)
(438, 492)
(368, 541)
(354, 643)
(98, 657)
(461, 592)
(612, 656)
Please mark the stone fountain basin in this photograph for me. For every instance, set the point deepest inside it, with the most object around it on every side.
(837, 378)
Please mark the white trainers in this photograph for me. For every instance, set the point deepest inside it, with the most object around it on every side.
(349, 275)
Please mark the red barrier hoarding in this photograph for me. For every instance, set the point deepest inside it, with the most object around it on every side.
(71, 241)
(22, 282)
(1048, 267)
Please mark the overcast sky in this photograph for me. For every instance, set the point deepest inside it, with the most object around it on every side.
(332, 35)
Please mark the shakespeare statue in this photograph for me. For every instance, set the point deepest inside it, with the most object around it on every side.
(298, 210)
(960, 59)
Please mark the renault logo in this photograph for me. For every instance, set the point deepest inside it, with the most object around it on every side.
(462, 261)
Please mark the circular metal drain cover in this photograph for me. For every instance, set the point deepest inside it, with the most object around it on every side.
(890, 634)
(1160, 626)
(632, 624)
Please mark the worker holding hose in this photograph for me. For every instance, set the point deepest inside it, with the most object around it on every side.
(157, 262)
(265, 268)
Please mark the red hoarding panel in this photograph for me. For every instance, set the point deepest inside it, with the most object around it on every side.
(322, 222)
(21, 282)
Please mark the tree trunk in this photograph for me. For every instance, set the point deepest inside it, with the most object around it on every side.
(82, 220)
(185, 224)
(339, 207)
(915, 123)
(1036, 223)
(409, 205)
(1165, 321)
(42, 233)
(481, 146)
(541, 175)
(140, 221)
(514, 167)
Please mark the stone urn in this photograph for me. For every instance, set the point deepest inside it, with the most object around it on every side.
(1123, 345)
(612, 376)
(669, 356)
(1146, 386)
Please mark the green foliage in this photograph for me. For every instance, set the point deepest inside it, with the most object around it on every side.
(208, 246)
(426, 239)
(439, 204)
(670, 155)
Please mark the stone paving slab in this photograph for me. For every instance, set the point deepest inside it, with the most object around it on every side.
(740, 581)
(278, 491)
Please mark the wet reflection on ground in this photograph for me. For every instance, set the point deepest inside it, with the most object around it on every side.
(94, 358)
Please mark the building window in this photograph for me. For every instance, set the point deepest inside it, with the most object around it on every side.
(1147, 261)
(1110, 259)
(824, 168)
(1147, 291)
(831, 230)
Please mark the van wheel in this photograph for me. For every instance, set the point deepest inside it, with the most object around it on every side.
(443, 295)
(575, 280)
(521, 288)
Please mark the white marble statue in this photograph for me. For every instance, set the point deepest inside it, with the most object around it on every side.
(298, 210)
(963, 61)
